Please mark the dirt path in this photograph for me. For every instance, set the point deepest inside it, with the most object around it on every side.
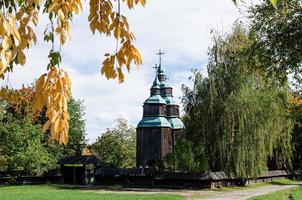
(207, 194)
(247, 193)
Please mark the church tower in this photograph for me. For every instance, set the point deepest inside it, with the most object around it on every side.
(160, 125)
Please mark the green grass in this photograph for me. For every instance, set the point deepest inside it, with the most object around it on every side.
(284, 182)
(67, 192)
(232, 188)
(289, 194)
(48, 192)
(257, 185)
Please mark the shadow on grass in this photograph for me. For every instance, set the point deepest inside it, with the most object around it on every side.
(119, 188)
(152, 189)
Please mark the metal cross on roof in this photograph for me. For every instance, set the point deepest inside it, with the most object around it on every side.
(160, 53)
(156, 68)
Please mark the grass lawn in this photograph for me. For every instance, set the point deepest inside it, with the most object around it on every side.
(291, 194)
(257, 185)
(284, 182)
(47, 192)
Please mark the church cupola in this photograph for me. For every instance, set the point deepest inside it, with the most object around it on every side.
(155, 105)
(155, 89)
(165, 89)
(160, 74)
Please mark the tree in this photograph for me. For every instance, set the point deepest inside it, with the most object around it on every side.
(18, 19)
(184, 157)
(24, 144)
(238, 115)
(77, 129)
(21, 147)
(77, 132)
(276, 35)
(273, 2)
(117, 147)
(53, 88)
(296, 114)
(20, 109)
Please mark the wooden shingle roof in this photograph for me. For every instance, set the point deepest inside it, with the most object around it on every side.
(80, 159)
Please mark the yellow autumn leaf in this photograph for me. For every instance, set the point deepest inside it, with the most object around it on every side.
(75, 8)
(62, 37)
(46, 126)
(6, 43)
(3, 58)
(60, 125)
(37, 2)
(2, 30)
(68, 80)
(6, 27)
(23, 43)
(53, 7)
(39, 103)
(17, 36)
(64, 137)
(9, 56)
(41, 82)
(21, 58)
(35, 20)
(120, 75)
(143, 2)
(55, 135)
(2, 68)
(117, 32)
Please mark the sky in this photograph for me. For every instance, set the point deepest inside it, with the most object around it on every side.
(179, 28)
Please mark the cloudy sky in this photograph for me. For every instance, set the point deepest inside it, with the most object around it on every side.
(180, 28)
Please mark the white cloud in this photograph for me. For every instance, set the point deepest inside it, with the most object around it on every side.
(180, 28)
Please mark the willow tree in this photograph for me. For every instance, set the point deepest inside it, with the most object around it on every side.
(239, 116)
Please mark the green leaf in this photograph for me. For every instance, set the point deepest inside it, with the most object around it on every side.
(274, 3)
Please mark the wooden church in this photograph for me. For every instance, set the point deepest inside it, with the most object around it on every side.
(160, 125)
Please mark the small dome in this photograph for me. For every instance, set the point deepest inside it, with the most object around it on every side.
(155, 99)
(170, 101)
(154, 122)
(163, 84)
(176, 123)
(160, 71)
(155, 83)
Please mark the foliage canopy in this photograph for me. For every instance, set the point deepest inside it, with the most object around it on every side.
(238, 115)
(117, 146)
(23, 146)
(276, 35)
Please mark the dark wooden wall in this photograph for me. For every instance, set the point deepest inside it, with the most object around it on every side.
(155, 110)
(153, 144)
(166, 92)
(155, 91)
(173, 110)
